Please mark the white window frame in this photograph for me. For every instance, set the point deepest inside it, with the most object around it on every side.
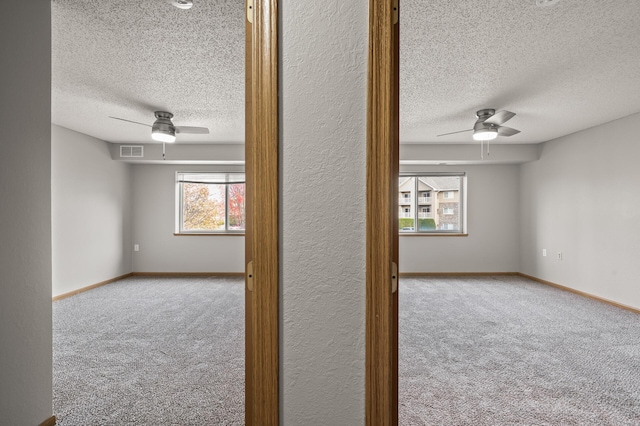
(229, 179)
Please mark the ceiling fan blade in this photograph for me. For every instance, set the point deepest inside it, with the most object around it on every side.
(135, 122)
(192, 130)
(507, 131)
(453, 133)
(500, 117)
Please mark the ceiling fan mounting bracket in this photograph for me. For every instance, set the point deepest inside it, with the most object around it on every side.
(163, 115)
(483, 114)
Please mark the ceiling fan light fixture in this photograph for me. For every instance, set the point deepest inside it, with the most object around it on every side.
(182, 4)
(163, 132)
(546, 3)
(163, 137)
(485, 134)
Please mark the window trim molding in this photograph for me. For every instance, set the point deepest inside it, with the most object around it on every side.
(433, 234)
(211, 234)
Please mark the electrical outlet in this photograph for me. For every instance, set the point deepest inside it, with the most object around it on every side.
(544, 252)
(136, 247)
(559, 257)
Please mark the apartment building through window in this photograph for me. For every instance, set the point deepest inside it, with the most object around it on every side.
(431, 203)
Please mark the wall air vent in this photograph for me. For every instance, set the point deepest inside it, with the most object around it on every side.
(131, 151)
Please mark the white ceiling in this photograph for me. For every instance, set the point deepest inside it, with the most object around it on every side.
(561, 69)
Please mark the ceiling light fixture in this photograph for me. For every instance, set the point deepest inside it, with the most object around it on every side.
(546, 3)
(484, 132)
(182, 4)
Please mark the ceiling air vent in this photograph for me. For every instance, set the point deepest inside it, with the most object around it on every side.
(131, 151)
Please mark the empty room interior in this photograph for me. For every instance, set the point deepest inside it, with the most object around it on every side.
(517, 206)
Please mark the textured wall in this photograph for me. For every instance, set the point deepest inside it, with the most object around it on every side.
(90, 211)
(154, 213)
(25, 213)
(493, 220)
(324, 57)
(581, 199)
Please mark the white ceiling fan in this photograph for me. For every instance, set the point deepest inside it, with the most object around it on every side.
(163, 129)
(489, 126)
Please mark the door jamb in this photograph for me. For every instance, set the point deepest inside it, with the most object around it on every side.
(262, 198)
(381, 375)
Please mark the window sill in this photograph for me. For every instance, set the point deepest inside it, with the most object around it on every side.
(418, 234)
(210, 234)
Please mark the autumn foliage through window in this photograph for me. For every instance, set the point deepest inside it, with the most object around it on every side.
(211, 202)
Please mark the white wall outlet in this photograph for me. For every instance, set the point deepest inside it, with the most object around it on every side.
(544, 252)
(559, 257)
(136, 247)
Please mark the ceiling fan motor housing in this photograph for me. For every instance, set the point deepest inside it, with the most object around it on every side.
(481, 125)
(163, 123)
(483, 115)
(163, 126)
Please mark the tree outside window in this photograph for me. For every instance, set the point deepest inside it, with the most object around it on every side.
(210, 202)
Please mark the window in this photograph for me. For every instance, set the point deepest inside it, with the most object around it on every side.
(210, 203)
(431, 215)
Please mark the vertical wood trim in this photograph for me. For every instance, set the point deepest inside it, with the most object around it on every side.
(51, 421)
(263, 159)
(395, 175)
(248, 256)
(382, 226)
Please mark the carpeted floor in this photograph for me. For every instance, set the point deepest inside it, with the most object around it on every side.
(473, 351)
(509, 351)
(151, 351)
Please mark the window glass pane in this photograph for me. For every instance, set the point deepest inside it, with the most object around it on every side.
(236, 206)
(430, 203)
(406, 201)
(211, 202)
(203, 207)
(447, 216)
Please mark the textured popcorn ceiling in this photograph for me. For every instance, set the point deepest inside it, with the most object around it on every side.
(560, 69)
(129, 58)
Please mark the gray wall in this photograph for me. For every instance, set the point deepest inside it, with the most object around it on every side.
(90, 211)
(154, 215)
(25, 213)
(324, 62)
(581, 199)
(493, 223)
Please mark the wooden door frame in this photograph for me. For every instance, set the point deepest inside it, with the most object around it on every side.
(381, 375)
(262, 198)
